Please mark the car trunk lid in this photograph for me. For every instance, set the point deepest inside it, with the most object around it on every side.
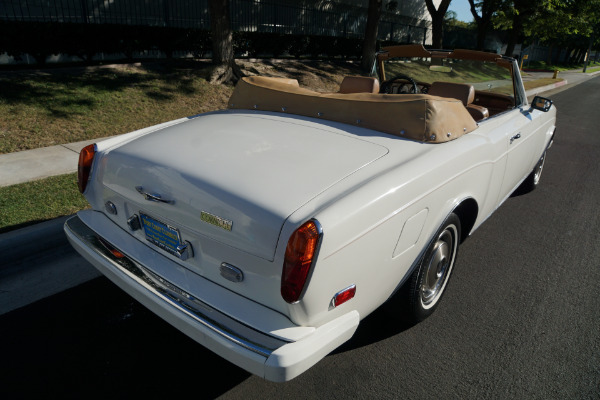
(234, 176)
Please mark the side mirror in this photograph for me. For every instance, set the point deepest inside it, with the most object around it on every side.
(541, 103)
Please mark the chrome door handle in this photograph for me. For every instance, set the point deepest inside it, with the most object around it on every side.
(517, 136)
(153, 197)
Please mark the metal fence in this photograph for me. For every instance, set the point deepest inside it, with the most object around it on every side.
(246, 15)
(178, 13)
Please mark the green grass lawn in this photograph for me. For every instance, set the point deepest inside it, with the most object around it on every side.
(37, 201)
(540, 82)
(557, 67)
(594, 69)
(41, 109)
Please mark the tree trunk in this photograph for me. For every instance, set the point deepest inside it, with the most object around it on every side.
(437, 22)
(370, 42)
(483, 21)
(482, 28)
(225, 69)
(514, 34)
(437, 32)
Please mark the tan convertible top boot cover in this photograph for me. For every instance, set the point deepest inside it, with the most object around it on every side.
(419, 117)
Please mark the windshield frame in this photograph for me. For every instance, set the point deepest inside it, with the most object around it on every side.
(418, 51)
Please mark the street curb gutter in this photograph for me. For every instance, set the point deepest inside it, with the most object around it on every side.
(39, 262)
(32, 239)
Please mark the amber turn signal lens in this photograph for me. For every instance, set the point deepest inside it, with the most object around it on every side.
(299, 255)
(86, 158)
(116, 253)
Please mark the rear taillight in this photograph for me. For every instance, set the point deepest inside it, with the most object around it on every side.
(86, 158)
(299, 255)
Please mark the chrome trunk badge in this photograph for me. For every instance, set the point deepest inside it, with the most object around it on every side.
(216, 221)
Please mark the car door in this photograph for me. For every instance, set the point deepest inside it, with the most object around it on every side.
(523, 138)
(523, 141)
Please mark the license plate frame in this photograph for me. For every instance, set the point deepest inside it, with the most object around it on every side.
(162, 235)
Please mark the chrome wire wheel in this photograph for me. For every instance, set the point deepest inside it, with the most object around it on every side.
(537, 173)
(437, 266)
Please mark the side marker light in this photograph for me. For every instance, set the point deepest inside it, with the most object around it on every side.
(344, 295)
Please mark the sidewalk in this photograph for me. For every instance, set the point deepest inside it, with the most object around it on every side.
(31, 165)
(571, 78)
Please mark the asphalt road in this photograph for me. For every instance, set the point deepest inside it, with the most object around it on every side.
(520, 319)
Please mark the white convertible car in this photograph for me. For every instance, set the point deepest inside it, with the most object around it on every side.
(267, 231)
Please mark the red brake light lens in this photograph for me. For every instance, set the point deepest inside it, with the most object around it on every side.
(299, 255)
(86, 158)
(343, 296)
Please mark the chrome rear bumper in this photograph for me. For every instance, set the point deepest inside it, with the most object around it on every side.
(257, 352)
(201, 312)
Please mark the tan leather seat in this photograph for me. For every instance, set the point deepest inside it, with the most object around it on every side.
(462, 92)
(359, 84)
(478, 112)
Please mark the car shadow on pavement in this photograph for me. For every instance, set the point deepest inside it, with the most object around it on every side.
(382, 324)
(95, 341)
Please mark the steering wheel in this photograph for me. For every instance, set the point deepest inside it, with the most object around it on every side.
(386, 85)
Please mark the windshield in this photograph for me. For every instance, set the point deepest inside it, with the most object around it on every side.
(484, 76)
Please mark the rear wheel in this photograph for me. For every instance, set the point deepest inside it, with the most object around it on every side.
(422, 293)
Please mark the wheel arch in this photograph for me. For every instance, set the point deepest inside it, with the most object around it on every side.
(467, 211)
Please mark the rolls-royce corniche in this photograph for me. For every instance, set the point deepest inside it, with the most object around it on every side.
(267, 231)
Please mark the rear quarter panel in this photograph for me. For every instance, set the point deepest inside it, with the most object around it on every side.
(362, 228)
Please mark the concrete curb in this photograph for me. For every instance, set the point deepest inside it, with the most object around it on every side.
(38, 238)
(38, 262)
(534, 91)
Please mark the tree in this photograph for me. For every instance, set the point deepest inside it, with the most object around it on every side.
(517, 14)
(483, 21)
(225, 69)
(451, 21)
(437, 21)
(562, 23)
(370, 42)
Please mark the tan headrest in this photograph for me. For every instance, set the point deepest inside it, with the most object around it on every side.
(359, 84)
(459, 91)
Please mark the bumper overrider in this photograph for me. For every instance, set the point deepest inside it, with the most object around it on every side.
(272, 357)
